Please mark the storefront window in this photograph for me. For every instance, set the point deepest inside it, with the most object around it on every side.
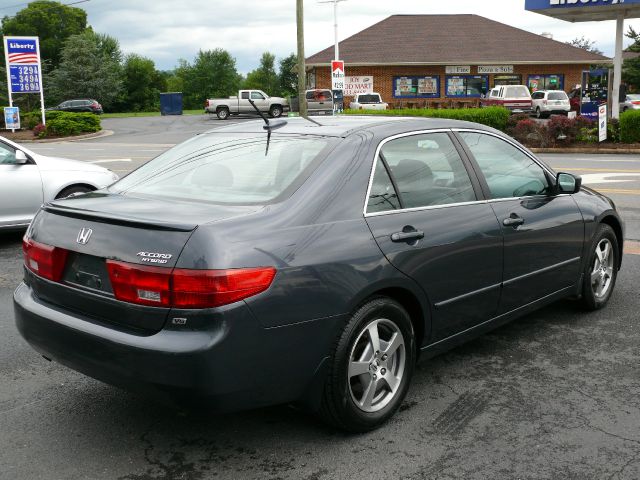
(467, 85)
(416, 87)
(499, 80)
(545, 82)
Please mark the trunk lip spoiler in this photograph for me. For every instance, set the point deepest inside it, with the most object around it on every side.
(104, 217)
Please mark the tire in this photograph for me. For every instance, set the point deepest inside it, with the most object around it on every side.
(356, 367)
(601, 270)
(73, 190)
(538, 113)
(223, 113)
(275, 111)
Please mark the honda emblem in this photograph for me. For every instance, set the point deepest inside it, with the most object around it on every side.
(84, 235)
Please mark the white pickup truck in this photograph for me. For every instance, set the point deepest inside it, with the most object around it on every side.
(223, 107)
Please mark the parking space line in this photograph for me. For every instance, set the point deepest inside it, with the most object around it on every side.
(632, 247)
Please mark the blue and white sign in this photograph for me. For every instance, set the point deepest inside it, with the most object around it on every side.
(602, 123)
(23, 64)
(544, 4)
(25, 78)
(12, 118)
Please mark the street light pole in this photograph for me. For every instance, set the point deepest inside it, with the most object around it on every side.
(335, 25)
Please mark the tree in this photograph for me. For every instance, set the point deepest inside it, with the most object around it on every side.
(86, 70)
(288, 76)
(585, 44)
(264, 77)
(213, 74)
(142, 84)
(52, 21)
(631, 66)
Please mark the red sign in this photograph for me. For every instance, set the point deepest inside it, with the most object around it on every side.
(337, 75)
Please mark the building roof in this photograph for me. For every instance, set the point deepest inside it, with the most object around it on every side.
(451, 40)
(628, 55)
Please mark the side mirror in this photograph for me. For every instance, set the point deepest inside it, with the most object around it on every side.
(568, 183)
(21, 157)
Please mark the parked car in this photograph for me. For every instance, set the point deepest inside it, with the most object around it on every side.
(631, 102)
(548, 102)
(310, 263)
(514, 97)
(223, 107)
(319, 101)
(27, 180)
(81, 105)
(368, 101)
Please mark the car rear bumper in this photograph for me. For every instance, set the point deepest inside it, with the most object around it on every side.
(234, 364)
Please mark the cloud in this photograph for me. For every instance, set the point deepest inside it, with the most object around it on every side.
(167, 30)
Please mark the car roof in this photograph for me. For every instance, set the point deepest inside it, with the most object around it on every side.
(343, 126)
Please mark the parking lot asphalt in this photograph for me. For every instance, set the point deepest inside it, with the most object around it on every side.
(553, 395)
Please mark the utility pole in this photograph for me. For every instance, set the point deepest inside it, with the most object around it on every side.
(302, 72)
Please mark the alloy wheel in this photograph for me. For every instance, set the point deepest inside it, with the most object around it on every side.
(376, 365)
(602, 270)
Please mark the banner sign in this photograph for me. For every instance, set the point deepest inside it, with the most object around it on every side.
(495, 69)
(602, 123)
(12, 118)
(337, 75)
(23, 64)
(457, 69)
(356, 85)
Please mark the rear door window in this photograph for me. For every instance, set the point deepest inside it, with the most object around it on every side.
(427, 171)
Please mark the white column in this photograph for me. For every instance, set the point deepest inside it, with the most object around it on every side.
(617, 68)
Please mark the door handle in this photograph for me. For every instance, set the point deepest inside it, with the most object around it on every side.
(407, 236)
(513, 221)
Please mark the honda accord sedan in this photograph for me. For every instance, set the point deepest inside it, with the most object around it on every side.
(309, 262)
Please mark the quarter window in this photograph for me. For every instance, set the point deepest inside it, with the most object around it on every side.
(427, 171)
(507, 170)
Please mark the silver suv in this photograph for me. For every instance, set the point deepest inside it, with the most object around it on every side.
(547, 102)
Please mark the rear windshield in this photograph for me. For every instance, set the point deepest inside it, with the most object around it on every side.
(369, 99)
(228, 168)
(558, 96)
(517, 92)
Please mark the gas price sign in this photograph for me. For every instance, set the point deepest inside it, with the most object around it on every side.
(25, 78)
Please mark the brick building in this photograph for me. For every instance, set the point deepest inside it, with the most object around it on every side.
(449, 60)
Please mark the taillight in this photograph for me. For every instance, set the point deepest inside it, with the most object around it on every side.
(140, 284)
(636, 102)
(213, 288)
(183, 288)
(44, 260)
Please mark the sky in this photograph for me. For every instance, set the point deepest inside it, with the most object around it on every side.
(167, 30)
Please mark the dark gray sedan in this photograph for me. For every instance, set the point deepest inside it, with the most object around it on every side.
(310, 263)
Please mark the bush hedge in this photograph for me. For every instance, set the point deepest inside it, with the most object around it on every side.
(61, 123)
(496, 117)
(630, 126)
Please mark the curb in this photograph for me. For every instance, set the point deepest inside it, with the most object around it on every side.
(588, 151)
(101, 133)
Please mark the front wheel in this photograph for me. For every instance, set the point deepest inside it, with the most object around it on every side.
(275, 111)
(371, 367)
(601, 270)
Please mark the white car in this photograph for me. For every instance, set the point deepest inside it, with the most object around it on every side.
(368, 101)
(27, 180)
(547, 102)
(631, 102)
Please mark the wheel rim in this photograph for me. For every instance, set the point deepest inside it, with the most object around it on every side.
(538, 113)
(602, 269)
(276, 112)
(376, 365)
(223, 114)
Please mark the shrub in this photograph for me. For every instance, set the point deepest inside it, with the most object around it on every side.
(613, 130)
(495, 117)
(630, 126)
(513, 121)
(39, 130)
(531, 133)
(67, 123)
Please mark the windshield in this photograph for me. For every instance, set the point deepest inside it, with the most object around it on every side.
(558, 96)
(369, 98)
(517, 92)
(228, 168)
